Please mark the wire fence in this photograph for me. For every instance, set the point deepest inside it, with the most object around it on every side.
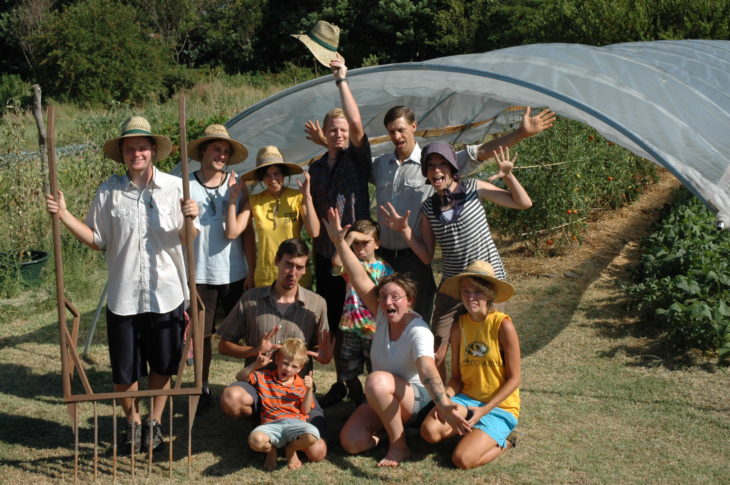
(68, 150)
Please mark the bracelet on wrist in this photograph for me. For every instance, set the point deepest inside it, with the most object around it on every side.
(343, 80)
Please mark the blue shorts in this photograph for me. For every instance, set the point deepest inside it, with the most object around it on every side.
(498, 424)
(283, 431)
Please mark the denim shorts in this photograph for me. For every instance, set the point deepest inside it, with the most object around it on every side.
(283, 431)
(498, 424)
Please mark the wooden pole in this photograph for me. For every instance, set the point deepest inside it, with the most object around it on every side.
(189, 250)
(38, 115)
(60, 297)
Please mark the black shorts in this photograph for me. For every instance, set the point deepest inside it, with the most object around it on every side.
(211, 295)
(316, 415)
(136, 341)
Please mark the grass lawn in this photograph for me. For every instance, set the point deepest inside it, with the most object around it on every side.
(603, 402)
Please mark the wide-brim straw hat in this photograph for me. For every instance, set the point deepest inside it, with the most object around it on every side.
(482, 270)
(137, 126)
(238, 154)
(270, 155)
(322, 41)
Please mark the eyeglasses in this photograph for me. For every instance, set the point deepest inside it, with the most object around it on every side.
(394, 298)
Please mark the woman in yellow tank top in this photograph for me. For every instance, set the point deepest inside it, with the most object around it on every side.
(278, 212)
(485, 374)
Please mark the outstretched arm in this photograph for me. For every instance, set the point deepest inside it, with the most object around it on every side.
(359, 278)
(516, 197)
(349, 105)
(80, 230)
(531, 125)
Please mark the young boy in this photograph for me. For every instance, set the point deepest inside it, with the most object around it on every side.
(286, 400)
(357, 323)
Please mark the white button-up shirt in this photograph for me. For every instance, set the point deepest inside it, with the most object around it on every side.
(139, 231)
(403, 185)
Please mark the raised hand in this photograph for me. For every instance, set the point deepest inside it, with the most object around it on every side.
(339, 69)
(532, 125)
(262, 360)
(314, 132)
(325, 347)
(304, 187)
(504, 163)
(267, 346)
(235, 187)
(308, 381)
(333, 226)
(392, 219)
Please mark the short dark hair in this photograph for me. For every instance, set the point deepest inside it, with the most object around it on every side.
(261, 171)
(402, 280)
(293, 247)
(399, 112)
(367, 226)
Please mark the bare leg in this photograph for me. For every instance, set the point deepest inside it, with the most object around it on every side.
(129, 404)
(475, 449)
(236, 402)
(391, 398)
(362, 431)
(158, 381)
(301, 443)
(316, 452)
(261, 442)
(433, 430)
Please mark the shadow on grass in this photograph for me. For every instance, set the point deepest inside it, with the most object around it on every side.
(612, 318)
(48, 333)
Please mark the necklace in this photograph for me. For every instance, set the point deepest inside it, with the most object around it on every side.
(213, 208)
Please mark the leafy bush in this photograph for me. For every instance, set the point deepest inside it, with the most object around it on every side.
(96, 51)
(571, 174)
(13, 91)
(682, 283)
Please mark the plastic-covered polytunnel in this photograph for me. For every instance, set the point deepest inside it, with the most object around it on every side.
(667, 101)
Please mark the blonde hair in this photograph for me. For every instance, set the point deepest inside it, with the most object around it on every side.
(332, 114)
(293, 349)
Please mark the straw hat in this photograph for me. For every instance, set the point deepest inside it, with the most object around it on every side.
(217, 132)
(503, 291)
(270, 155)
(322, 41)
(137, 126)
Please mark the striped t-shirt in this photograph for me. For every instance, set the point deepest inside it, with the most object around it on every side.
(467, 238)
(278, 401)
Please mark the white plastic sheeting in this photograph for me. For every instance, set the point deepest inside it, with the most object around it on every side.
(666, 101)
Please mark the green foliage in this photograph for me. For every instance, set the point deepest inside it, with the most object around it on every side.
(682, 284)
(13, 91)
(96, 51)
(571, 174)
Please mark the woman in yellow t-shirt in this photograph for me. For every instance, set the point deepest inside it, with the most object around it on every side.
(278, 211)
(485, 375)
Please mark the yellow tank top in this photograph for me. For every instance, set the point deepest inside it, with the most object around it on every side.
(482, 363)
(275, 221)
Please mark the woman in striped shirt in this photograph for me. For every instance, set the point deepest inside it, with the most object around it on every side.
(454, 217)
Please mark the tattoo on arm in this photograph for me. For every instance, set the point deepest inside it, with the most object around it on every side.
(436, 389)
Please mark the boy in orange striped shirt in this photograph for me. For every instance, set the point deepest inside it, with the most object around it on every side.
(285, 400)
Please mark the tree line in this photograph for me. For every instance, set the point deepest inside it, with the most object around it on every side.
(96, 51)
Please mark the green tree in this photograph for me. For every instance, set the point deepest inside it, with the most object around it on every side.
(98, 51)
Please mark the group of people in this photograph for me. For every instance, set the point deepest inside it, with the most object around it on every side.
(374, 283)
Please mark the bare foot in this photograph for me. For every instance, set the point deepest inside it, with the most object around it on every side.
(396, 454)
(270, 462)
(293, 461)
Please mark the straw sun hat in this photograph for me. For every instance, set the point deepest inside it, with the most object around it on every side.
(323, 41)
(270, 155)
(482, 270)
(217, 132)
(137, 126)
